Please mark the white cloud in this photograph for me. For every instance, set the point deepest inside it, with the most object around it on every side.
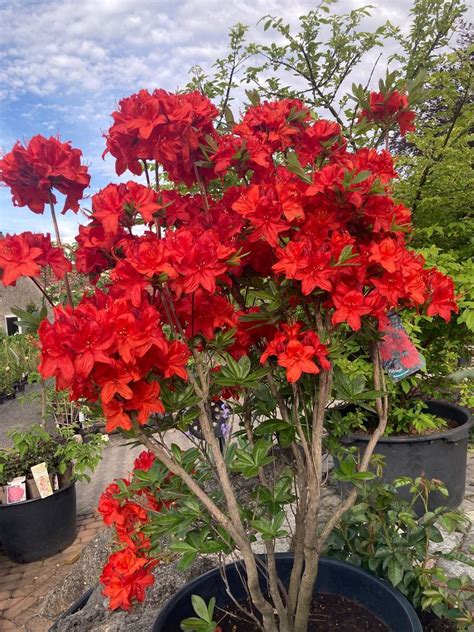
(105, 46)
(70, 61)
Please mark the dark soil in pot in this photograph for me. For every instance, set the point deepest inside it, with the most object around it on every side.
(329, 613)
(432, 623)
(441, 455)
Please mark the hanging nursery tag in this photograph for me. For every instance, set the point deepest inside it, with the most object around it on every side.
(400, 357)
(41, 476)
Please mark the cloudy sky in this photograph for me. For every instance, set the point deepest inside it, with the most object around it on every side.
(66, 63)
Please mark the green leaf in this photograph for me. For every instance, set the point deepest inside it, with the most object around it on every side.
(200, 608)
(294, 165)
(361, 176)
(394, 572)
(270, 426)
(253, 96)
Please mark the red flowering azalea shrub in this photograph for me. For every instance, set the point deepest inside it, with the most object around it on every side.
(276, 249)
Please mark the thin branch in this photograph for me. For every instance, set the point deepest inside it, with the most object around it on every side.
(147, 175)
(169, 462)
(43, 291)
(58, 239)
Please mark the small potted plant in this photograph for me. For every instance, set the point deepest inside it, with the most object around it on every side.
(42, 526)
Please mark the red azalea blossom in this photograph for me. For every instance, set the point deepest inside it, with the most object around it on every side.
(296, 350)
(125, 578)
(120, 203)
(390, 108)
(32, 172)
(442, 299)
(144, 460)
(169, 128)
(26, 254)
(350, 305)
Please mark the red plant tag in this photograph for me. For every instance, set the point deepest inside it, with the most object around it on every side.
(400, 357)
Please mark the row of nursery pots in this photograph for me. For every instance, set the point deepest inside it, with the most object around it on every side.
(441, 456)
(18, 387)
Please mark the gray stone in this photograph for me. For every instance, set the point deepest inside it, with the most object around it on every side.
(85, 573)
(96, 617)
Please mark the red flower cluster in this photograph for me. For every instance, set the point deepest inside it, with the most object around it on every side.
(26, 254)
(388, 109)
(297, 351)
(128, 571)
(339, 238)
(120, 204)
(125, 578)
(109, 350)
(168, 128)
(44, 164)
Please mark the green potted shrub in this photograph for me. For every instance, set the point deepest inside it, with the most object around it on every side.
(40, 527)
(425, 436)
(384, 534)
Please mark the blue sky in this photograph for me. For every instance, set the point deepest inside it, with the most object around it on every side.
(66, 63)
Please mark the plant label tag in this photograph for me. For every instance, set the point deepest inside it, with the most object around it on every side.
(41, 476)
(16, 490)
(400, 357)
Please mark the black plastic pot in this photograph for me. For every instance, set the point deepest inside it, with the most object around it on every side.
(77, 606)
(334, 577)
(39, 528)
(441, 456)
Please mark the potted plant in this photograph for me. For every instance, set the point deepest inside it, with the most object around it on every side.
(268, 249)
(424, 436)
(7, 389)
(384, 533)
(40, 527)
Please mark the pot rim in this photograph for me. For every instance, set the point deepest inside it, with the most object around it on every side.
(448, 435)
(34, 500)
(190, 586)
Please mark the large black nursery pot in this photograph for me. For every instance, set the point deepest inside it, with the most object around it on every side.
(34, 529)
(441, 455)
(334, 577)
